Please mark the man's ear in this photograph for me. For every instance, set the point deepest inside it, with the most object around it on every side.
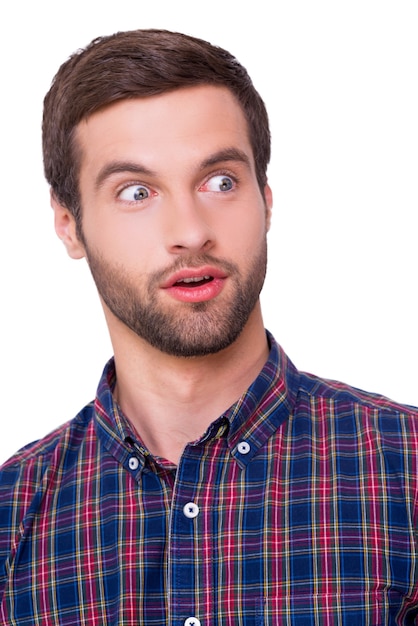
(268, 197)
(66, 229)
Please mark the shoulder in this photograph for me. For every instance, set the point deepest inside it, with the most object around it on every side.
(40, 451)
(335, 407)
(22, 474)
(341, 393)
(359, 412)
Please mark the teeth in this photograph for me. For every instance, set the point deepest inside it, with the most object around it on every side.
(195, 279)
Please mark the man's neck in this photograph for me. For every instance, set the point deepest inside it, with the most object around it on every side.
(171, 401)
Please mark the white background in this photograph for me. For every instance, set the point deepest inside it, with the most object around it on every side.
(340, 81)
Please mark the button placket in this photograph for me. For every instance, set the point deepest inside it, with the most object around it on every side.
(184, 559)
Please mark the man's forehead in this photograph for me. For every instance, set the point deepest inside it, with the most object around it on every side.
(206, 117)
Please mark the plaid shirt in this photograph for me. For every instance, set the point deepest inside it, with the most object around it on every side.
(297, 507)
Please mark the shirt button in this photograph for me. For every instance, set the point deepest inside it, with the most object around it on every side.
(192, 621)
(243, 447)
(191, 510)
(133, 463)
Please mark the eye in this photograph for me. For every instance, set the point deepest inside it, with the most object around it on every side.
(134, 193)
(220, 182)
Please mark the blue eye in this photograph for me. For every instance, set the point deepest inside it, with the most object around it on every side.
(219, 183)
(134, 193)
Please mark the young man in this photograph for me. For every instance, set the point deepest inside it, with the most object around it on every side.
(210, 482)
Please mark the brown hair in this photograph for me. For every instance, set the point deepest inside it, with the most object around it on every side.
(136, 64)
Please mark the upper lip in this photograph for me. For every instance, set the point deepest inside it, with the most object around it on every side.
(205, 271)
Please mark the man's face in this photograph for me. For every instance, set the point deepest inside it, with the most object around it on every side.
(173, 221)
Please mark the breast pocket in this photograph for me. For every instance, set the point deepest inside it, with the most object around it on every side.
(374, 608)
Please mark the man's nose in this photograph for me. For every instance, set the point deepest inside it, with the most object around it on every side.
(187, 227)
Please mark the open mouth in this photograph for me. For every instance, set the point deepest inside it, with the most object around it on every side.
(195, 281)
(193, 285)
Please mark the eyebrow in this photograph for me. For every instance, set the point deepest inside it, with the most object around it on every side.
(118, 167)
(228, 154)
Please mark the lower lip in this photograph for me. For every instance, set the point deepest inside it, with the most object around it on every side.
(201, 293)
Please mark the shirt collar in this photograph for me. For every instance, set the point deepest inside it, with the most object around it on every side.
(266, 404)
(253, 418)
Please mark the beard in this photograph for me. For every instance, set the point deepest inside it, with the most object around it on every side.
(184, 329)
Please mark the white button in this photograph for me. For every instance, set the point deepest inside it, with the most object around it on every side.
(243, 447)
(133, 463)
(192, 621)
(191, 510)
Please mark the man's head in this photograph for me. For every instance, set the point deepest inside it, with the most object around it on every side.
(137, 64)
(158, 175)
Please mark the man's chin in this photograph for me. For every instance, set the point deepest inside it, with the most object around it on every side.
(181, 346)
